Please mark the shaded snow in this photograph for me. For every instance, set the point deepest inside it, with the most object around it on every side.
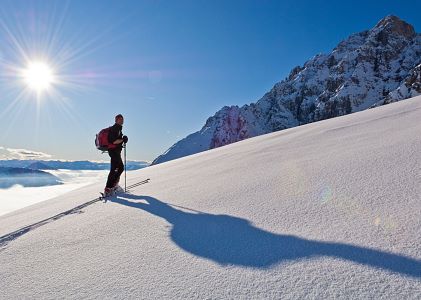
(325, 210)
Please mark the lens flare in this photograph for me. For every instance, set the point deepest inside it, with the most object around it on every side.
(326, 195)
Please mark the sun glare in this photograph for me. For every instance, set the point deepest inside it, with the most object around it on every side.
(38, 76)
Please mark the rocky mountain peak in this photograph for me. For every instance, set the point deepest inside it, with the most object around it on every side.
(393, 25)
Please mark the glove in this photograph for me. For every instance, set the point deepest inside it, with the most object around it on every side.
(125, 139)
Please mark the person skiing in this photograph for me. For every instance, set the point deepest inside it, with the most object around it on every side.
(117, 141)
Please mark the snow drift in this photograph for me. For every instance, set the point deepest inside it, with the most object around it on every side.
(325, 210)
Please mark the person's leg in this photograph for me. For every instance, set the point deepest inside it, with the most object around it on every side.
(119, 169)
(114, 169)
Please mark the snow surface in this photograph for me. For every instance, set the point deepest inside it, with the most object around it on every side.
(325, 210)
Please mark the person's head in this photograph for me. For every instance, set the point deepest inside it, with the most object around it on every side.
(119, 119)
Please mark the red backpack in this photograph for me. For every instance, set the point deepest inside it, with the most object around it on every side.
(101, 140)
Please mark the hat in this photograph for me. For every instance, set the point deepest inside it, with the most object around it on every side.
(118, 117)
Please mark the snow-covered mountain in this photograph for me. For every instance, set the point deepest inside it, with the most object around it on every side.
(328, 210)
(370, 68)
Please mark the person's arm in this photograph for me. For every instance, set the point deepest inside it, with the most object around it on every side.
(114, 136)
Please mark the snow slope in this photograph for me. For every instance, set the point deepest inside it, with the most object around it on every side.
(325, 210)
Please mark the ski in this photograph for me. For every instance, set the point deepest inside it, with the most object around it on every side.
(120, 190)
(103, 196)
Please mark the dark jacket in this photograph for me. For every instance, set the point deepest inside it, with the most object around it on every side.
(114, 134)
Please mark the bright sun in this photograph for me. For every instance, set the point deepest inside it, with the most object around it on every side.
(38, 76)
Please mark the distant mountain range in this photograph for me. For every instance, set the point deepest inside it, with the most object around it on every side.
(370, 68)
(67, 165)
(26, 177)
(40, 166)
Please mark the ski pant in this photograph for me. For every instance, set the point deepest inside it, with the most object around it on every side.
(117, 167)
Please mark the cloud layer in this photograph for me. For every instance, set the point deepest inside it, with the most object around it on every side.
(10, 153)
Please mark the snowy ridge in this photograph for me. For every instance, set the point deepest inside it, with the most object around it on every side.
(374, 67)
(328, 210)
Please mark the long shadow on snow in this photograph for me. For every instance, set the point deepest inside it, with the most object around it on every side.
(231, 240)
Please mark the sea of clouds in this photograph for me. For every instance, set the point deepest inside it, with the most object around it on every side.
(17, 196)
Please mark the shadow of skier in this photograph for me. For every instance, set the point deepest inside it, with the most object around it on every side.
(231, 240)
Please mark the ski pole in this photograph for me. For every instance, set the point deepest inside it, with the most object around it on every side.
(125, 169)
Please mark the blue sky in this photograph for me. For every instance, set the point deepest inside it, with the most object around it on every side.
(165, 65)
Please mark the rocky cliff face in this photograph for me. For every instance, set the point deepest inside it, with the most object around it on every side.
(370, 68)
(409, 88)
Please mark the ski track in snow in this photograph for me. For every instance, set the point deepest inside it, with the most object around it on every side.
(4, 240)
